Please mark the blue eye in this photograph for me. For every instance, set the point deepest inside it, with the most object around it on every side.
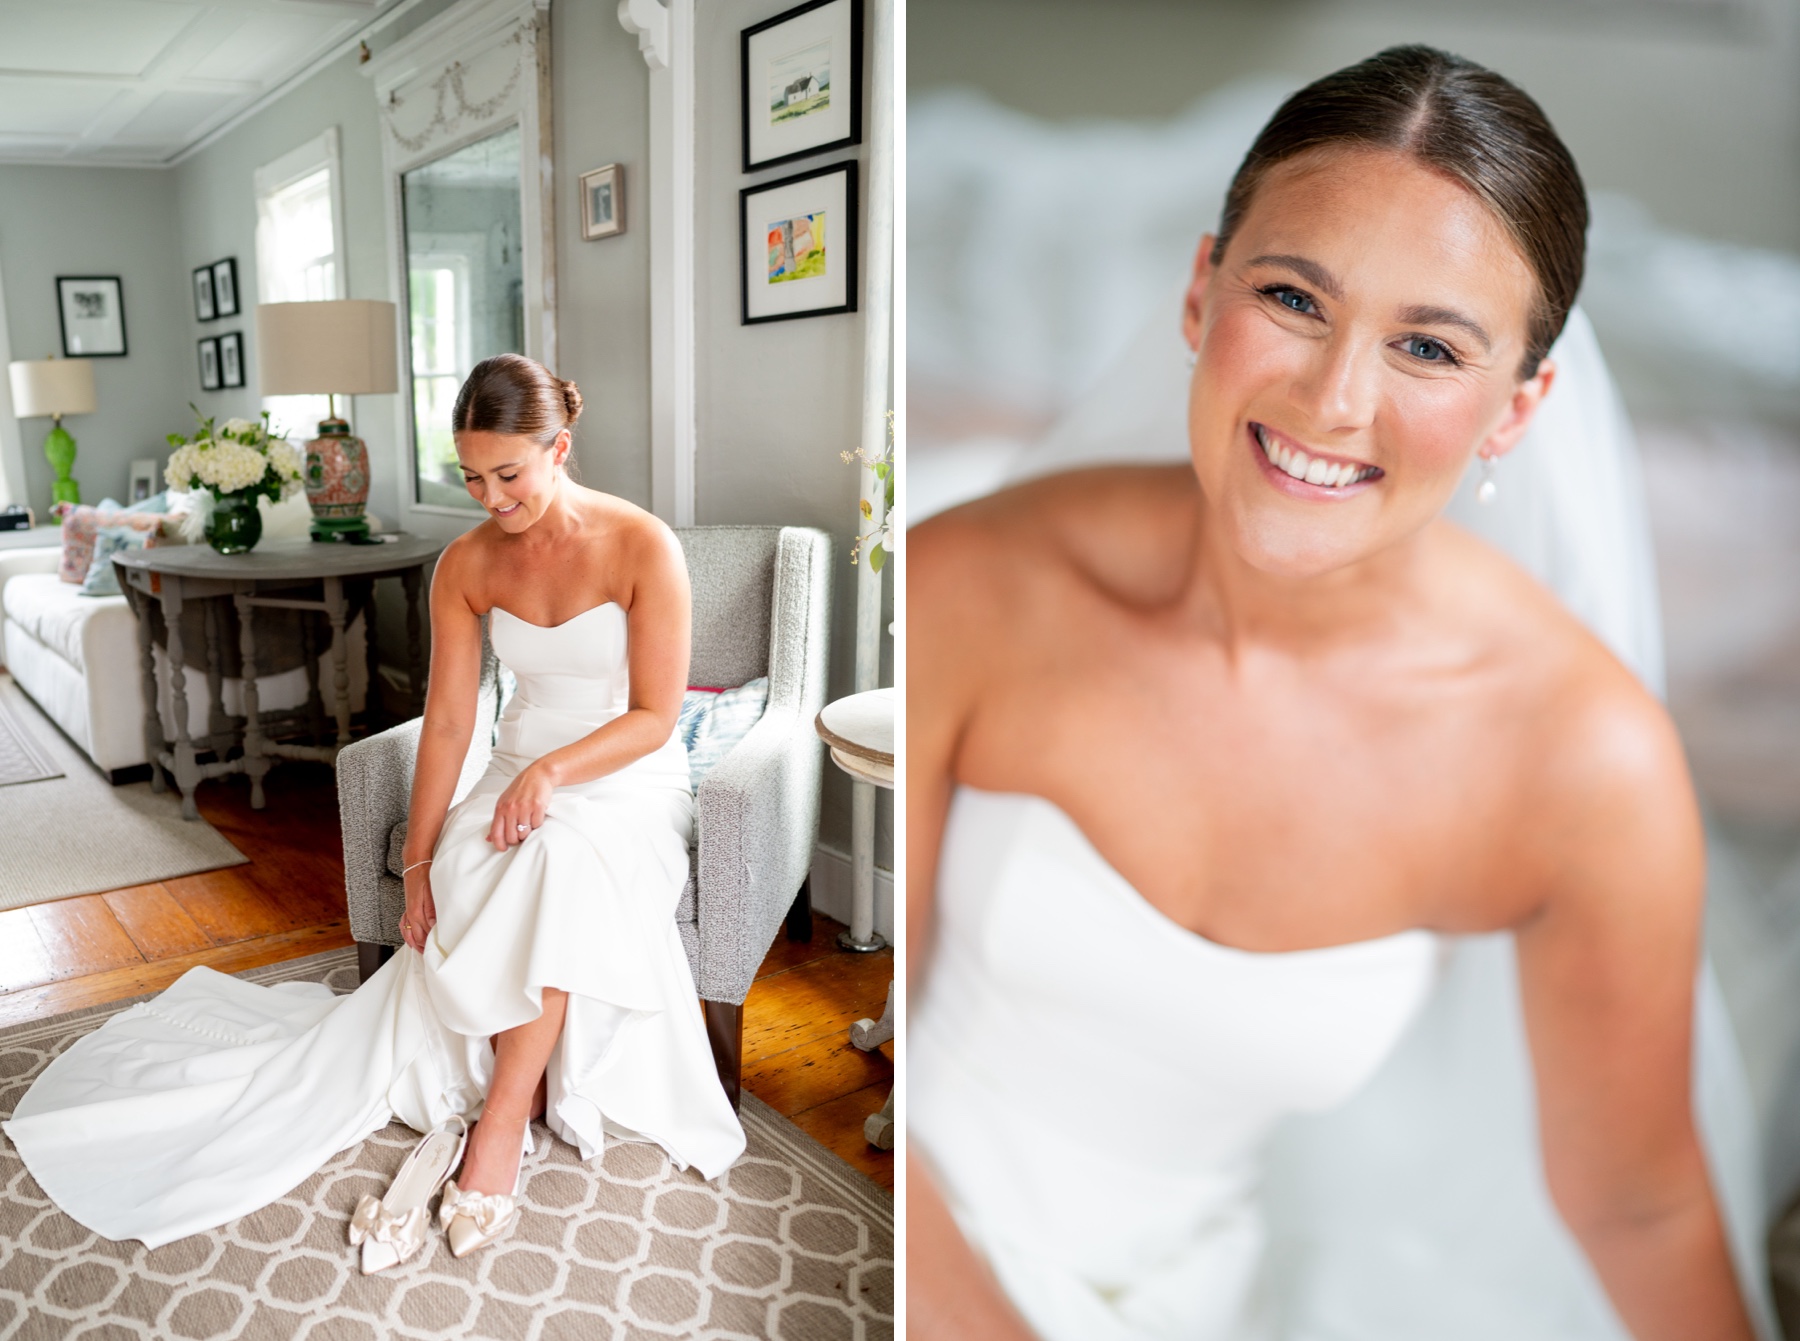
(1292, 299)
(1429, 350)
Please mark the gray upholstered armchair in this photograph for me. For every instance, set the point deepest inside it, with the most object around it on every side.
(762, 606)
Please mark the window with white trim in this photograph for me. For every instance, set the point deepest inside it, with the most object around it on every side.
(299, 257)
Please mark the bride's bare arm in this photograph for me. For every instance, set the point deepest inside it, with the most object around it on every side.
(659, 616)
(1607, 966)
(450, 700)
(950, 1292)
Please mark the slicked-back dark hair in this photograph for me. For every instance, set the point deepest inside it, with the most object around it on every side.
(1460, 119)
(518, 397)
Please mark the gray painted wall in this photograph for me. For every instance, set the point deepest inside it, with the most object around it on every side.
(1693, 109)
(777, 401)
(100, 221)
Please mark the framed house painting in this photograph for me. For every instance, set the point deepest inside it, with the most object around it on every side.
(204, 310)
(802, 83)
(209, 364)
(93, 316)
(799, 245)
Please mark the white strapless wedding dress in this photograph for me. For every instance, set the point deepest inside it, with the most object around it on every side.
(217, 1097)
(1095, 1085)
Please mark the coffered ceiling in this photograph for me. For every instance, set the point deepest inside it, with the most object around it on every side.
(137, 82)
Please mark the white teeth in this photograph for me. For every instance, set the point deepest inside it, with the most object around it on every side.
(1297, 465)
(1311, 470)
(1315, 473)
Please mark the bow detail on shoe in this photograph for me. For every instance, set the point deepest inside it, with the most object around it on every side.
(373, 1220)
(488, 1210)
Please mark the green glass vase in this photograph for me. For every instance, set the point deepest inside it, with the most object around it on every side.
(236, 524)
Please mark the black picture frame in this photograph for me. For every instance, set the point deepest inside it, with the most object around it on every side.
(850, 242)
(204, 310)
(231, 359)
(101, 342)
(225, 287)
(209, 364)
(745, 84)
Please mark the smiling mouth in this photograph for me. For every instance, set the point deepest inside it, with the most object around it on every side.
(1315, 470)
(507, 512)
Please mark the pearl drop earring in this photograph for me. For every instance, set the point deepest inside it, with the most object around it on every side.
(1193, 359)
(1485, 491)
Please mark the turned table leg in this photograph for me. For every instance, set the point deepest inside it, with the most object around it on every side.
(335, 608)
(415, 648)
(255, 762)
(187, 772)
(154, 744)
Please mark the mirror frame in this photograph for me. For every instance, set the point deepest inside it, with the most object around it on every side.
(423, 72)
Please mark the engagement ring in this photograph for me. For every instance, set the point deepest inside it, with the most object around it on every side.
(524, 828)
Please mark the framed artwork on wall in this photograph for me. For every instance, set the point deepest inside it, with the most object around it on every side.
(802, 83)
(209, 363)
(799, 245)
(203, 294)
(93, 316)
(231, 359)
(602, 202)
(224, 278)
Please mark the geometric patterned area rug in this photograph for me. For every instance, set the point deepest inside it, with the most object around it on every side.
(75, 833)
(791, 1243)
(22, 759)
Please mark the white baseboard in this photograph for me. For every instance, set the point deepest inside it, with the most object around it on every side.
(831, 889)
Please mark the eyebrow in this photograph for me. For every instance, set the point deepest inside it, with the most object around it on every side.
(1311, 271)
(1446, 316)
(470, 470)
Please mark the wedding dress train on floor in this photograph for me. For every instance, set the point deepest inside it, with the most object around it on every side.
(218, 1096)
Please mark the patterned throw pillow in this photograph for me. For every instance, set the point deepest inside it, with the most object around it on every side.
(712, 721)
(102, 578)
(79, 525)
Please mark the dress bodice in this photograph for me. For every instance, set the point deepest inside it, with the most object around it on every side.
(1095, 1083)
(573, 678)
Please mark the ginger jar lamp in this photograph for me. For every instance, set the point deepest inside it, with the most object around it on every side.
(342, 347)
(55, 387)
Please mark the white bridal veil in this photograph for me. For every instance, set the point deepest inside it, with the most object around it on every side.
(1419, 1210)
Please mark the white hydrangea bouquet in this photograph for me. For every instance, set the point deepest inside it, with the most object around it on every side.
(231, 465)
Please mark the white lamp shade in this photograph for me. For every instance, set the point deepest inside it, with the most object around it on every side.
(52, 387)
(340, 348)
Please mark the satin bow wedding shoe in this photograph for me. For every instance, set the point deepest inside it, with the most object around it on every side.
(391, 1229)
(473, 1220)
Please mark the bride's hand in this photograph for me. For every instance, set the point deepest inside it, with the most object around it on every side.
(521, 807)
(421, 910)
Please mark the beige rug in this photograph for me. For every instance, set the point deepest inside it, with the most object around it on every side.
(793, 1244)
(22, 758)
(79, 834)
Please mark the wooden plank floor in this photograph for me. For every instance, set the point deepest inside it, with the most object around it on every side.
(288, 901)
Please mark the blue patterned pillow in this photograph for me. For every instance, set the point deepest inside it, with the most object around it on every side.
(102, 579)
(711, 724)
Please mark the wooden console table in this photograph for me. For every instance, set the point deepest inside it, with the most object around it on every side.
(277, 574)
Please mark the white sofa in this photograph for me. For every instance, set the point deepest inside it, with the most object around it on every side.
(77, 657)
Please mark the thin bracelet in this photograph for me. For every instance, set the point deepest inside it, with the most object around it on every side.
(415, 866)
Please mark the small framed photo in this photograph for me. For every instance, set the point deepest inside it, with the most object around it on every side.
(802, 85)
(224, 280)
(93, 316)
(602, 202)
(231, 358)
(143, 479)
(209, 364)
(203, 294)
(799, 245)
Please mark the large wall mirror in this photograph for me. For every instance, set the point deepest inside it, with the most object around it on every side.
(464, 138)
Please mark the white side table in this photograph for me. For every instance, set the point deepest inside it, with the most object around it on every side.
(860, 731)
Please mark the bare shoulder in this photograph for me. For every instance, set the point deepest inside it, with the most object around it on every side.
(1600, 768)
(461, 563)
(1111, 527)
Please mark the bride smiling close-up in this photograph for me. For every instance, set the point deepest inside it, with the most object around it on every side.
(1223, 775)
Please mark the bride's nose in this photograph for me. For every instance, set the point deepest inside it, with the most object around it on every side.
(1336, 387)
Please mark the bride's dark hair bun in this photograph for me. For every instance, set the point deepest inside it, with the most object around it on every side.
(518, 397)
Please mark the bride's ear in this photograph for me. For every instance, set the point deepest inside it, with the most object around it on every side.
(1196, 291)
(1526, 398)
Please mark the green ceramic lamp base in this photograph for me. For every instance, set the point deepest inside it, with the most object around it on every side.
(59, 451)
(340, 528)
